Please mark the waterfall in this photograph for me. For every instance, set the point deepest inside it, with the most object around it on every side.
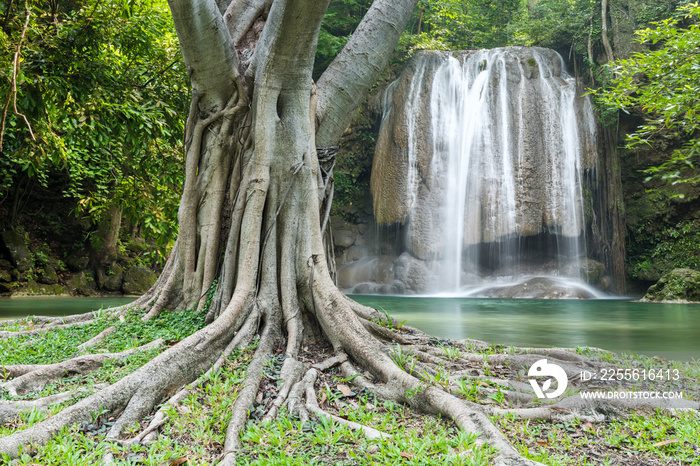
(481, 158)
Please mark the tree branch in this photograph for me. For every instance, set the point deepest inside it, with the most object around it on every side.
(240, 16)
(12, 96)
(207, 49)
(345, 83)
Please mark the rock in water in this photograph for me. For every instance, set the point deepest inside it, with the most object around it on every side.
(678, 285)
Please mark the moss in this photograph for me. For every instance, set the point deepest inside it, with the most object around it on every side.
(33, 288)
(532, 62)
(676, 285)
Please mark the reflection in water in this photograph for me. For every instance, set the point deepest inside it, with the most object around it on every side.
(668, 330)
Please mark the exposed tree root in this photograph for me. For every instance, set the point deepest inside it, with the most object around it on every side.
(599, 410)
(35, 378)
(136, 395)
(38, 331)
(254, 190)
(9, 410)
(94, 341)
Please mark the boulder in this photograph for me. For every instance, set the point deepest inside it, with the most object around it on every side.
(137, 245)
(78, 261)
(138, 280)
(413, 273)
(16, 249)
(537, 288)
(588, 269)
(113, 278)
(82, 283)
(49, 275)
(33, 288)
(678, 285)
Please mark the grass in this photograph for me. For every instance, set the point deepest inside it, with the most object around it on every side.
(659, 439)
(195, 431)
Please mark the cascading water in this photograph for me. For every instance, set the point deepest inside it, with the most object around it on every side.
(480, 158)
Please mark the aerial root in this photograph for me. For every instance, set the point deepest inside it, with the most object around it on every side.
(313, 407)
(305, 388)
(426, 357)
(9, 410)
(35, 378)
(524, 362)
(514, 385)
(292, 370)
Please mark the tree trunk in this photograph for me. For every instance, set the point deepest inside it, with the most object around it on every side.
(604, 30)
(251, 223)
(108, 232)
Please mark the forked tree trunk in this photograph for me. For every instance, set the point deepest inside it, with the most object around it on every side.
(250, 216)
(251, 229)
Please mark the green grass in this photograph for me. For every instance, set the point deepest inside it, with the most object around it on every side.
(640, 437)
(196, 427)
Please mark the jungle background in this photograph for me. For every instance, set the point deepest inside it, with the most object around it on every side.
(93, 96)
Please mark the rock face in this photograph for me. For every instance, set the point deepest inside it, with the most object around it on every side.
(677, 285)
(480, 160)
(138, 280)
(17, 251)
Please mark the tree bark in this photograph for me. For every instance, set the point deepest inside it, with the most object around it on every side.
(250, 250)
(604, 30)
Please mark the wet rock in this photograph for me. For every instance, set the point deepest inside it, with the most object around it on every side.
(650, 274)
(113, 278)
(588, 269)
(19, 276)
(413, 273)
(49, 275)
(678, 285)
(344, 233)
(5, 276)
(137, 245)
(33, 288)
(16, 248)
(82, 283)
(138, 280)
(78, 261)
(538, 288)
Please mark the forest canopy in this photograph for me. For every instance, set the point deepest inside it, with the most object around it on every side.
(663, 83)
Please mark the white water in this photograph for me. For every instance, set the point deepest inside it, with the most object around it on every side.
(508, 156)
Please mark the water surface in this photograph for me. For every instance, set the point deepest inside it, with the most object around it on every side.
(13, 308)
(667, 330)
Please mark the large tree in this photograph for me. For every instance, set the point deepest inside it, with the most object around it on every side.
(260, 139)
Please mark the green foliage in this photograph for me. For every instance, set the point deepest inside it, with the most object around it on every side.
(59, 345)
(104, 90)
(663, 84)
(654, 251)
(472, 24)
(340, 20)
